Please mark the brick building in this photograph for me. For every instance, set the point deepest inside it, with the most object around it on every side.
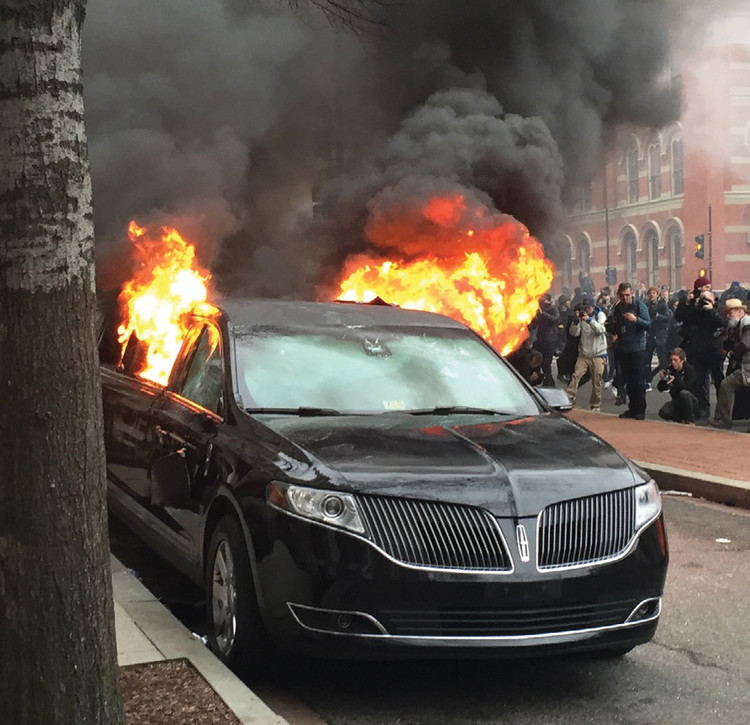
(657, 190)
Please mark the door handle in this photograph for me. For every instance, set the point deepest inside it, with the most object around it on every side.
(207, 463)
(163, 433)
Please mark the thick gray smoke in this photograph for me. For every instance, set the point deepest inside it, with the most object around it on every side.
(221, 116)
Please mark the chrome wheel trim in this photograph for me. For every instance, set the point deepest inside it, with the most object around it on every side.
(224, 598)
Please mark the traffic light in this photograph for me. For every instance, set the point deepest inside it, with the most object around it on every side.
(611, 275)
(703, 272)
(699, 249)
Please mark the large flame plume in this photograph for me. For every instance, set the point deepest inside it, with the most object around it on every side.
(488, 272)
(168, 284)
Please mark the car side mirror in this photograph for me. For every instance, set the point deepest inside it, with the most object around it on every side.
(556, 398)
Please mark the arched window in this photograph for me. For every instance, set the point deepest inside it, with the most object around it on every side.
(654, 170)
(677, 179)
(631, 160)
(629, 247)
(584, 257)
(652, 244)
(564, 270)
(675, 258)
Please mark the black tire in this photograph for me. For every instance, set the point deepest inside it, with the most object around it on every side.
(235, 629)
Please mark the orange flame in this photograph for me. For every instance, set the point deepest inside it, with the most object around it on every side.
(491, 281)
(168, 284)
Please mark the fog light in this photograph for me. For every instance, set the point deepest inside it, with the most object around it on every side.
(647, 609)
(344, 621)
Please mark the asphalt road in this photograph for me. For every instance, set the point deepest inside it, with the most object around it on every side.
(695, 671)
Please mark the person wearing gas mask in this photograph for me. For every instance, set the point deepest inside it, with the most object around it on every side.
(702, 328)
(738, 369)
(544, 325)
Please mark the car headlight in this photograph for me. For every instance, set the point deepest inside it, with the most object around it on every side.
(326, 507)
(647, 504)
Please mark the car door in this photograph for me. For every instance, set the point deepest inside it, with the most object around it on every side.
(186, 421)
(127, 404)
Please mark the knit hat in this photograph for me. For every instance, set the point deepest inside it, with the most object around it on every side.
(587, 302)
(701, 282)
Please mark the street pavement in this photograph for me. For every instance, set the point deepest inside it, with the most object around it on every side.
(697, 460)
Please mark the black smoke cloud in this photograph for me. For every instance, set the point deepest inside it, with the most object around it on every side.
(224, 115)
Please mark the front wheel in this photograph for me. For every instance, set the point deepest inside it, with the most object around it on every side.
(235, 629)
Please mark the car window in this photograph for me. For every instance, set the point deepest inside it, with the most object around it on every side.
(361, 370)
(203, 383)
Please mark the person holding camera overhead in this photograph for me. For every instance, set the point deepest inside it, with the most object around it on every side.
(678, 379)
(702, 329)
(588, 326)
(627, 327)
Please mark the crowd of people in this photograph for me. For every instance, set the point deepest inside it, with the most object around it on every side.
(698, 338)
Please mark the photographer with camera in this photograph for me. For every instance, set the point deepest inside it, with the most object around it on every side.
(628, 326)
(738, 370)
(589, 327)
(678, 379)
(702, 330)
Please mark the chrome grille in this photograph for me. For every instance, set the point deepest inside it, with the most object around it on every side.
(586, 530)
(506, 621)
(435, 535)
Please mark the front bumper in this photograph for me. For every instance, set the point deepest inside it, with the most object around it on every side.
(324, 591)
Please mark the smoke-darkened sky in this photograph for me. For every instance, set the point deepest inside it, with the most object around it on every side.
(221, 116)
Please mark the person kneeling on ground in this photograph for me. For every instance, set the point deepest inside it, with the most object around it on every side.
(738, 369)
(528, 362)
(678, 379)
(589, 327)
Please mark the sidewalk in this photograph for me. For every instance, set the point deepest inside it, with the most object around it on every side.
(147, 632)
(703, 461)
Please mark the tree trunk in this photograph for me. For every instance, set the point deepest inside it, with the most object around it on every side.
(58, 659)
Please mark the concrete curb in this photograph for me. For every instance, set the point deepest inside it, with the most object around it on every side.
(704, 485)
(148, 631)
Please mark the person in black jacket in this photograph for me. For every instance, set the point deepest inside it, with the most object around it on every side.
(544, 325)
(628, 326)
(656, 339)
(528, 362)
(678, 379)
(702, 327)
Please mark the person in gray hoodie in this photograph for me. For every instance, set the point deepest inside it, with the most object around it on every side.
(589, 325)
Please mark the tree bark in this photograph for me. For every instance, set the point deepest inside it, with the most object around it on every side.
(58, 657)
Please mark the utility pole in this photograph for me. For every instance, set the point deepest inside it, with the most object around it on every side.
(710, 245)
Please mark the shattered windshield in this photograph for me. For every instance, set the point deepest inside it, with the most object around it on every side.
(368, 370)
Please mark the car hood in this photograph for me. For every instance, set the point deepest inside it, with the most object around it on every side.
(512, 467)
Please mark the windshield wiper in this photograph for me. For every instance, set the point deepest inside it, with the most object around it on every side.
(449, 409)
(303, 411)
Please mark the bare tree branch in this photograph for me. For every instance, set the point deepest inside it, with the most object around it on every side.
(355, 14)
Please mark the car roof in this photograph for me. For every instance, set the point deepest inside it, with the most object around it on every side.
(295, 313)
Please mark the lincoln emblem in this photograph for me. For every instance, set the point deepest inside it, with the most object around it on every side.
(523, 542)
